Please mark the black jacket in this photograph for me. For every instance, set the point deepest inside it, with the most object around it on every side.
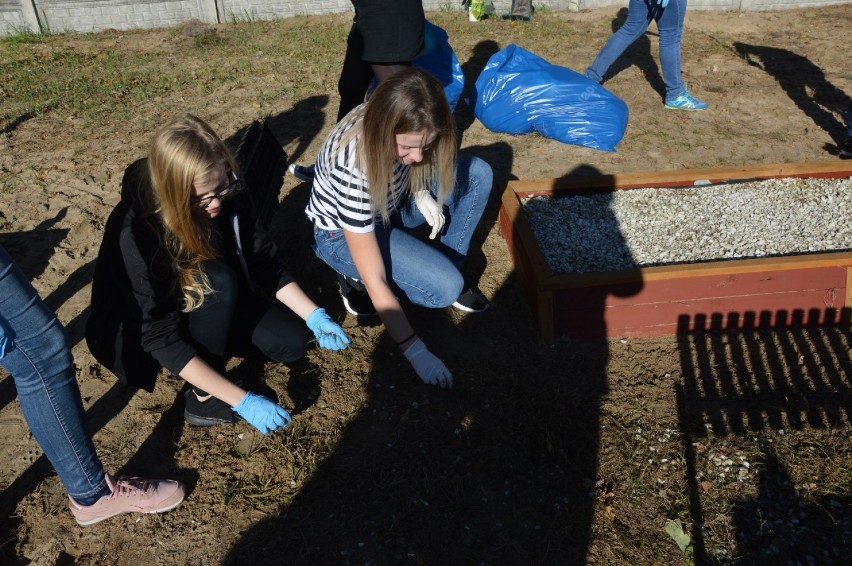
(136, 326)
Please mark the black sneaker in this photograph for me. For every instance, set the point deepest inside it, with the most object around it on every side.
(846, 149)
(471, 300)
(355, 297)
(211, 412)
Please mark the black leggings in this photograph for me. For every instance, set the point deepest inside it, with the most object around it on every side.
(235, 321)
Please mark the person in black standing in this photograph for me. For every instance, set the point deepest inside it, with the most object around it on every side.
(386, 35)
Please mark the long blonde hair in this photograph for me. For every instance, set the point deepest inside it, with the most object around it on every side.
(183, 151)
(408, 101)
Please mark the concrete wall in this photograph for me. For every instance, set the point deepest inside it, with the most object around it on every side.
(93, 15)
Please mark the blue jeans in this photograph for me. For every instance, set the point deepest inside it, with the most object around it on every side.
(37, 355)
(426, 275)
(639, 15)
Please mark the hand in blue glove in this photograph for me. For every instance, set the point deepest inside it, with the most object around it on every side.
(261, 413)
(328, 333)
(663, 3)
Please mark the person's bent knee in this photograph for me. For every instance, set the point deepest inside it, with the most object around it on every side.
(483, 173)
(453, 293)
(287, 353)
(287, 347)
(442, 291)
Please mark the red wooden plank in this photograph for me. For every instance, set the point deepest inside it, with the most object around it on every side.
(696, 288)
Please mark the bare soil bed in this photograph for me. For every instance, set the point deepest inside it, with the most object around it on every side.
(559, 453)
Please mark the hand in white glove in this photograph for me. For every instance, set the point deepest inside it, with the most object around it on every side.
(428, 367)
(430, 210)
(262, 413)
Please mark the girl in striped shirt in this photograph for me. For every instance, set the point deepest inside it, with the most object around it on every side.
(388, 167)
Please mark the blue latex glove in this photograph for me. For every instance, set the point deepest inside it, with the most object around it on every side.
(663, 3)
(261, 413)
(328, 333)
(428, 367)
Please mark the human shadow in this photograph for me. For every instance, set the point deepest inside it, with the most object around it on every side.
(293, 233)
(32, 249)
(637, 54)
(581, 287)
(500, 157)
(805, 84)
(782, 521)
(303, 122)
(155, 457)
(472, 68)
(500, 469)
(757, 371)
(15, 123)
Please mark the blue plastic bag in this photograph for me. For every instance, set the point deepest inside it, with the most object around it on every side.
(440, 61)
(519, 92)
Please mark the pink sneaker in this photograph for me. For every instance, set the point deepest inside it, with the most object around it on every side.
(130, 495)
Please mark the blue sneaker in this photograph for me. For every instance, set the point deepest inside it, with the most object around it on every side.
(301, 172)
(685, 102)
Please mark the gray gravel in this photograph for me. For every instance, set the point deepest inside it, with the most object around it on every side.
(658, 226)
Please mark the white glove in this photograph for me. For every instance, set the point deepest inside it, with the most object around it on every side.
(430, 210)
(428, 367)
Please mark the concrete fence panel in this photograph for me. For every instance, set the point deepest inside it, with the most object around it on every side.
(53, 16)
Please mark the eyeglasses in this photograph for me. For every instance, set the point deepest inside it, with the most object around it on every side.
(222, 194)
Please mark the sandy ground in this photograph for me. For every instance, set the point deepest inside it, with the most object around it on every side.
(777, 84)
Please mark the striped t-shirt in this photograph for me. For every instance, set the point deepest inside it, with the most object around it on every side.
(340, 195)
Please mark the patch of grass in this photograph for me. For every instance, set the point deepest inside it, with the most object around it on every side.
(45, 72)
(243, 16)
(24, 36)
(257, 492)
(9, 183)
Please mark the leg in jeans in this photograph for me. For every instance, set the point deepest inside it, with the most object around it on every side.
(418, 271)
(670, 25)
(464, 207)
(405, 256)
(639, 16)
(38, 357)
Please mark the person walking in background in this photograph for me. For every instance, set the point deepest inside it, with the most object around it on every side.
(669, 15)
(386, 35)
(34, 349)
(389, 166)
(186, 277)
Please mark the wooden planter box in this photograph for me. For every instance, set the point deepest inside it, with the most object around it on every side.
(812, 289)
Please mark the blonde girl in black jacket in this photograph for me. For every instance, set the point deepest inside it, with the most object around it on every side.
(186, 277)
